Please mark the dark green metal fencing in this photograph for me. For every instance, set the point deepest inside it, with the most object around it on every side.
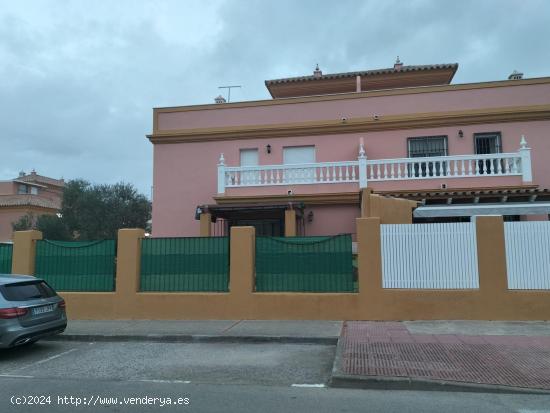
(77, 266)
(6, 251)
(185, 264)
(307, 264)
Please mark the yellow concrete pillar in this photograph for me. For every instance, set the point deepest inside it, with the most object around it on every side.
(491, 255)
(365, 202)
(24, 251)
(290, 223)
(206, 220)
(242, 270)
(128, 269)
(369, 255)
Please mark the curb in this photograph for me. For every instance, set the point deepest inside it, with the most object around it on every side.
(180, 338)
(419, 384)
(341, 380)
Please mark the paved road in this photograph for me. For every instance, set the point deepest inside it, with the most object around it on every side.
(200, 363)
(213, 378)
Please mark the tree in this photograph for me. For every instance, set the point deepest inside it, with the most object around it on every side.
(99, 211)
(24, 223)
(51, 226)
(91, 212)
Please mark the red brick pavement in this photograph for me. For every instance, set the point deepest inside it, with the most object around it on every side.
(389, 349)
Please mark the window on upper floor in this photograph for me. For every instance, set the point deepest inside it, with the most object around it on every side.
(293, 155)
(298, 154)
(249, 157)
(27, 189)
(487, 143)
(424, 147)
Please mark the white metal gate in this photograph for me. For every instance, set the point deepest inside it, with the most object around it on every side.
(434, 256)
(528, 255)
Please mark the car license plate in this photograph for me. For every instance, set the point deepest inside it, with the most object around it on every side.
(42, 310)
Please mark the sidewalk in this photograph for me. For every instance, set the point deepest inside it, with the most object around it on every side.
(482, 356)
(429, 355)
(314, 332)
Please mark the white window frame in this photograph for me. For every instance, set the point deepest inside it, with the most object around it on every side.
(300, 175)
(249, 177)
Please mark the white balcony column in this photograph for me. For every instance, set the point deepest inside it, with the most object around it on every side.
(221, 175)
(525, 153)
(362, 158)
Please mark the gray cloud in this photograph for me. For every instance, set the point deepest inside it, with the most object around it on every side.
(78, 80)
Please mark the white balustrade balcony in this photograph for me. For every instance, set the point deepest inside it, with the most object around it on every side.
(364, 170)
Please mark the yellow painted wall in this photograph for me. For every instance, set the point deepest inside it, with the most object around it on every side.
(389, 210)
(491, 302)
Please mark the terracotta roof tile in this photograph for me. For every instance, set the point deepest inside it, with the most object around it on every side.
(41, 179)
(29, 200)
(411, 68)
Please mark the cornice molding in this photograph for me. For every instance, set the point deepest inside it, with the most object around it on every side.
(355, 95)
(309, 199)
(358, 125)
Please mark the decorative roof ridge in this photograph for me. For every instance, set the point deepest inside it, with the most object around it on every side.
(409, 68)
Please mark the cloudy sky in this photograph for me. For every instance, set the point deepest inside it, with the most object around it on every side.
(79, 79)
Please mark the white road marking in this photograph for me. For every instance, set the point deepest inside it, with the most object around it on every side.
(532, 411)
(318, 386)
(36, 363)
(163, 381)
(16, 376)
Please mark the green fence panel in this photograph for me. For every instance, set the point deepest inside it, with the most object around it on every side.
(6, 252)
(304, 264)
(77, 266)
(185, 264)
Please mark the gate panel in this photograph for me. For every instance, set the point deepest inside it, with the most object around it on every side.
(528, 255)
(304, 264)
(77, 266)
(185, 264)
(433, 256)
(6, 252)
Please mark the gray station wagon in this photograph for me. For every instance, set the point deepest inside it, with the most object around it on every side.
(29, 310)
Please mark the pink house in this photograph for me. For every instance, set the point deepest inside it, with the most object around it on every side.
(28, 193)
(458, 149)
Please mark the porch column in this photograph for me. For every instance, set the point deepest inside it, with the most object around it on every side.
(290, 223)
(206, 220)
(221, 175)
(525, 153)
(362, 158)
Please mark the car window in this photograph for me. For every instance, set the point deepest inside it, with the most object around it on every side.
(24, 291)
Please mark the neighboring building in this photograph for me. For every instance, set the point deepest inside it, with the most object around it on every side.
(403, 131)
(28, 193)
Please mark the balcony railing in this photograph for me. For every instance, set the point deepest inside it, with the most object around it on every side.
(364, 170)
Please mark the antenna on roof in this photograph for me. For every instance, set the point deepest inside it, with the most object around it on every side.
(228, 91)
